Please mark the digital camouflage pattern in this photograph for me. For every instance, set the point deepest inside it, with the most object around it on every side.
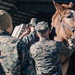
(14, 55)
(42, 27)
(46, 54)
(9, 56)
(33, 22)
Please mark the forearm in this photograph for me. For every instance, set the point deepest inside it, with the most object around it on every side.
(28, 38)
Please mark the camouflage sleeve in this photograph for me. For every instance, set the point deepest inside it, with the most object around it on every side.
(23, 51)
(63, 49)
(33, 51)
(28, 38)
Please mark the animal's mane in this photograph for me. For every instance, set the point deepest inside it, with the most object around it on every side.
(54, 16)
(58, 12)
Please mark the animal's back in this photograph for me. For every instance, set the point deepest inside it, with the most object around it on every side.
(9, 62)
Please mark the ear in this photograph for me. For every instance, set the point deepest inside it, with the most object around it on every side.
(57, 6)
(70, 4)
(67, 5)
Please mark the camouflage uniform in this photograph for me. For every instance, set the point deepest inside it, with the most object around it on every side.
(33, 22)
(46, 53)
(14, 55)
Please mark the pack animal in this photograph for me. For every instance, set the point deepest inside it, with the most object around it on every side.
(64, 23)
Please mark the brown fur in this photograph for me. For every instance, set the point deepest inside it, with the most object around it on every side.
(61, 14)
(68, 5)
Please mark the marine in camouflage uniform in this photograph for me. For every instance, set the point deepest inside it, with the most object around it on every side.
(30, 70)
(14, 53)
(33, 22)
(12, 48)
(46, 52)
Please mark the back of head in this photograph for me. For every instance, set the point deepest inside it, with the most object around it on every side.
(42, 27)
(5, 20)
(33, 22)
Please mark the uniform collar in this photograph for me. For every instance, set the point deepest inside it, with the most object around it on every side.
(5, 33)
(43, 39)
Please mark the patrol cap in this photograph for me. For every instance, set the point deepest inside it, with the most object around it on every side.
(5, 20)
(33, 22)
(42, 27)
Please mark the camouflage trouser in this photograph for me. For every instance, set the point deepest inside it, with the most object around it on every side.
(48, 74)
(30, 69)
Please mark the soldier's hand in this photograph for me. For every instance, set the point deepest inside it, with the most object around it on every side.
(32, 29)
(24, 33)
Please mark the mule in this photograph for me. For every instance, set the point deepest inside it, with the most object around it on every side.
(64, 23)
